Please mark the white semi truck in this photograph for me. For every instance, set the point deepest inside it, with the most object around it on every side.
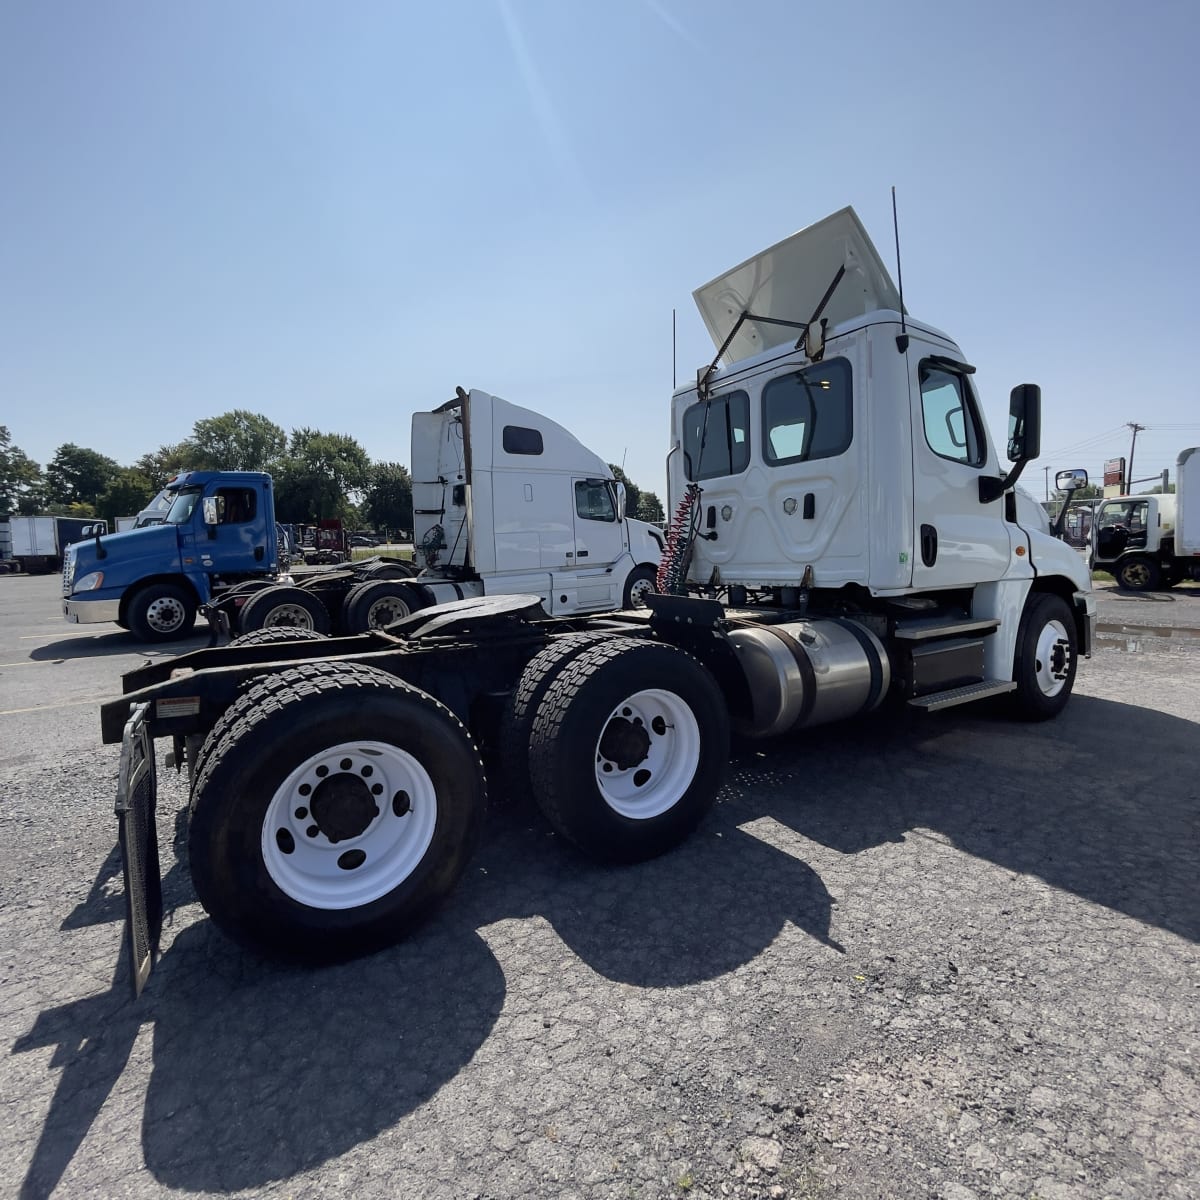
(1152, 541)
(844, 536)
(505, 502)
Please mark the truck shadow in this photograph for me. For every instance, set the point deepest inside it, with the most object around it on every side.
(119, 641)
(262, 1071)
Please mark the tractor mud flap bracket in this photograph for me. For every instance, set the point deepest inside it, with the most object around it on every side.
(137, 785)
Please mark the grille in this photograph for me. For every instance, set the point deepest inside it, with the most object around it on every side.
(68, 571)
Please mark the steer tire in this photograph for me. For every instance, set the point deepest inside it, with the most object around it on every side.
(285, 607)
(161, 612)
(521, 708)
(628, 750)
(641, 580)
(261, 872)
(1046, 623)
(377, 604)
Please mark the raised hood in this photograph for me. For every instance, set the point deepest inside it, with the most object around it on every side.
(787, 281)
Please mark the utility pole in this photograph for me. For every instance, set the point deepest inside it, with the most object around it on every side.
(1136, 430)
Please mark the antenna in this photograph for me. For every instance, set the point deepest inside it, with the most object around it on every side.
(674, 377)
(902, 340)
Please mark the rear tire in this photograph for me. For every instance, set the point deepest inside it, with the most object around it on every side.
(332, 809)
(161, 612)
(1046, 658)
(283, 606)
(1139, 574)
(277, 633)
(377, 604)
(522, 706)
(629, 747)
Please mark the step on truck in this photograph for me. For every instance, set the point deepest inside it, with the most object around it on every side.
(1147, 542)
(843, 536)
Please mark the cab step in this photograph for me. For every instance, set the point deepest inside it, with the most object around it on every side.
(963, 695)
(919, 630)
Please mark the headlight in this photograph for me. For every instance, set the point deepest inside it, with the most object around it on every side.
(89, 583)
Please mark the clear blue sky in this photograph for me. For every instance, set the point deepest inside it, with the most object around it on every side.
(334, 214)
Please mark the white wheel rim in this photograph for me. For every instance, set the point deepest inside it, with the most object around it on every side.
(1053, 661)
(300, 851)
(289, 616)
(637, 593)
(667, 753)
(386, 611)
(165, 615)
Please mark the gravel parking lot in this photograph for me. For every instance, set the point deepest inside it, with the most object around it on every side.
(950, 956)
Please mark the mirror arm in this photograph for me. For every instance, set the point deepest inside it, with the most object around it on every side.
(991, 488)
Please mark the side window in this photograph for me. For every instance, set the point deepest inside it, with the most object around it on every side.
(235, 506)
(517, 439)
(716, 437)
(951, 424)
(808, 414)
(594, 501)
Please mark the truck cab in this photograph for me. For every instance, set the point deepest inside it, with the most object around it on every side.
(218, 530)
(840, 461)
(506, 500)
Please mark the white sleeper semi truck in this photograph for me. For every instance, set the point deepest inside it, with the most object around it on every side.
(844, 536)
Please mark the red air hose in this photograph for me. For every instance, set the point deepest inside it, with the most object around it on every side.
(672, 571)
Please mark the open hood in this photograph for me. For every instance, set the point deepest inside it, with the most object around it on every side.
(788, 280)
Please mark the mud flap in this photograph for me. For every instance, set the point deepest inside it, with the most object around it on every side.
(136, 793)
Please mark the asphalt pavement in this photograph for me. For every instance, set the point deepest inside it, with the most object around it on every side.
(949, 956)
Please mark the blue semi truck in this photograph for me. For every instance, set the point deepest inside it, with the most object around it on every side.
(219, 531)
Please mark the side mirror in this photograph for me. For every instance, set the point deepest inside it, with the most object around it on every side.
(211, 516)
(1024, 423)
(1069, 481)
(620, 501)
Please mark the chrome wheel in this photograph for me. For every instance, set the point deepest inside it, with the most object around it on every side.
(166, 615)
(349, 825)
(289, 616)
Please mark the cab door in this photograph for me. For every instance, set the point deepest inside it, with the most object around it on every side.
(959, 540)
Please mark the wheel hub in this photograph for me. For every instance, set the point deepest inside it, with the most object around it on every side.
(624, 743)
(342, 807)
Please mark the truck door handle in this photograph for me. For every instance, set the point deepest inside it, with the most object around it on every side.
(582, 554)
(258, 553)
(928, 545)
(810, 506)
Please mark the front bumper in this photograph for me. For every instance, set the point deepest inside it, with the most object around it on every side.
(1085, 605)
(87, 612)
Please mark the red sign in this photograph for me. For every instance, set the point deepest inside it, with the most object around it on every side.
(1114, 472)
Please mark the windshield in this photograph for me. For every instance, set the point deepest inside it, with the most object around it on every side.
(183, 507)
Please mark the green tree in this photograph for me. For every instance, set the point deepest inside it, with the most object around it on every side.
(235, 441)
(20, 478)
(388, 503)
(166, 462)
(650, 508)
(128, 492)
(76, 475)
(321, 476)
(633, 493)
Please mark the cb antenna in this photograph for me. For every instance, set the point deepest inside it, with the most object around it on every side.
(674, 376)
(902, 340)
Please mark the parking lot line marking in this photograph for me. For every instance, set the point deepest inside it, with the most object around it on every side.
(12, 712)
(28, 637)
